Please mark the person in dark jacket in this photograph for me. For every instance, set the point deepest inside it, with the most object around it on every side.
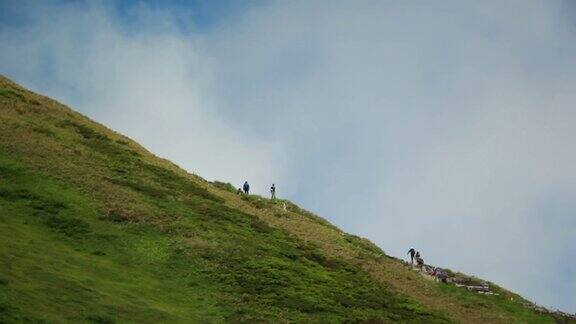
(246, 187)
(273, 191)
(412, 252)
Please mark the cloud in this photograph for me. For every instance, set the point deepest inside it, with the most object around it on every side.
(443, 126)
(447, 127)
(146, 79)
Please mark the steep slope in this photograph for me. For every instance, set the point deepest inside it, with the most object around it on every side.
(94, 228)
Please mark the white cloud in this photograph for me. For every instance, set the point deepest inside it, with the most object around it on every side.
(151, 83)
(447, 126)
(444, 126)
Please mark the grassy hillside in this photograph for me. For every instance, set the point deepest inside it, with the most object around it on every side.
(94, 228)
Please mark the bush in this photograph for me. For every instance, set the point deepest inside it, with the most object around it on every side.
(38, 203)
(71, 227)
(363, 244)
(13, 195)
(100, 319)
(224, 186)
(11, 94)
(142, 187)
(260, 226)
(257, 201)
(44, 130)
(52, 207)
(167, 178)
(85, 131)
(116, 216)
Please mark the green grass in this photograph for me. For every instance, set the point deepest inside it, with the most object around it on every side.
(61, 263)
(505, 301)
(224, 186)
(64, 261)
(95, 229)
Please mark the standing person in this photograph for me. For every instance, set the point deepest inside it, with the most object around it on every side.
(412, 252)
(246, 187)
(273, 191)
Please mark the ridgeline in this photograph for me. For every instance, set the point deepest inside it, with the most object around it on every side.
(96, 229)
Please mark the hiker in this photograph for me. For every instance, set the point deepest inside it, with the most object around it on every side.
(411, 252)
(419, 261)
(440, 275)
(246, 187)
(273, 191)
(239, 191)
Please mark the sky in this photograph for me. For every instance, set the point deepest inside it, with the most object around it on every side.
(445, 126)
